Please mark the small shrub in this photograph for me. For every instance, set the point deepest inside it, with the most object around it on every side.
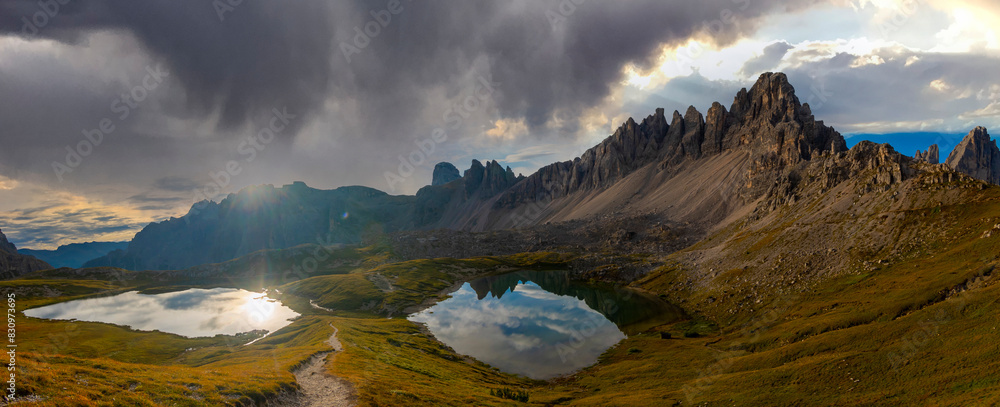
(691, 334)
(664, 335)
(634, 350)
(508, 393)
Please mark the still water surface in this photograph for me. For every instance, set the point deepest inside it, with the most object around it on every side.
(191, 313)
(540, 324)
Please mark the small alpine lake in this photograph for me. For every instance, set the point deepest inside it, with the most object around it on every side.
(191, 313)
(541, 324)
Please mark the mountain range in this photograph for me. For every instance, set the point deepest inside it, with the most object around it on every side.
(701, 170)
(76, 254)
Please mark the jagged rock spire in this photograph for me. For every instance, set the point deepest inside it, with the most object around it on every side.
(488, 180)
(931, 155)
(977, 156)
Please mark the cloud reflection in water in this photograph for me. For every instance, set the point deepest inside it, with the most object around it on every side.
(528, 331)
(191, 313)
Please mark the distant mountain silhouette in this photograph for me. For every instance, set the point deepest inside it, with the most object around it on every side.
(76, 254)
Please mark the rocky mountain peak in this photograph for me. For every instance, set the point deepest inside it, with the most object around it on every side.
(977, 156)
(444, 173)
(768, 122)
(771, 98)
(488, 180)
(694, 132)
(932, 155)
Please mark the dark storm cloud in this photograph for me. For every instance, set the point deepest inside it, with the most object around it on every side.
(148, 198)
(148, 201)
(773, 54)
(693, 90)
(176, 184)
(551, 56)
(550, 60)
(256, 56)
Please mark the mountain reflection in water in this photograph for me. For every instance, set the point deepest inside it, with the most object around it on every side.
(540, 324)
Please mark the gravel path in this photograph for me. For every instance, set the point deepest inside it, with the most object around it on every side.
(319, 388)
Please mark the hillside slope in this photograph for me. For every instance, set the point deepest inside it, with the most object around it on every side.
(873, 286)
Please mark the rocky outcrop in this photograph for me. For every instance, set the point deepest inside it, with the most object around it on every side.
(931, 155)
(445, 173)
(977, 156)
(768, 122)
(870, 164)
(14, 264)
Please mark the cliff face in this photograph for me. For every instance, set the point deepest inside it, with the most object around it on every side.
(977, 156)
(13, 264)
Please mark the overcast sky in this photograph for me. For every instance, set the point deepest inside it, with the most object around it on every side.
(117, 113)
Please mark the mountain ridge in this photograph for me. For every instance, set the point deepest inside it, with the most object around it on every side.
(709, 170)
